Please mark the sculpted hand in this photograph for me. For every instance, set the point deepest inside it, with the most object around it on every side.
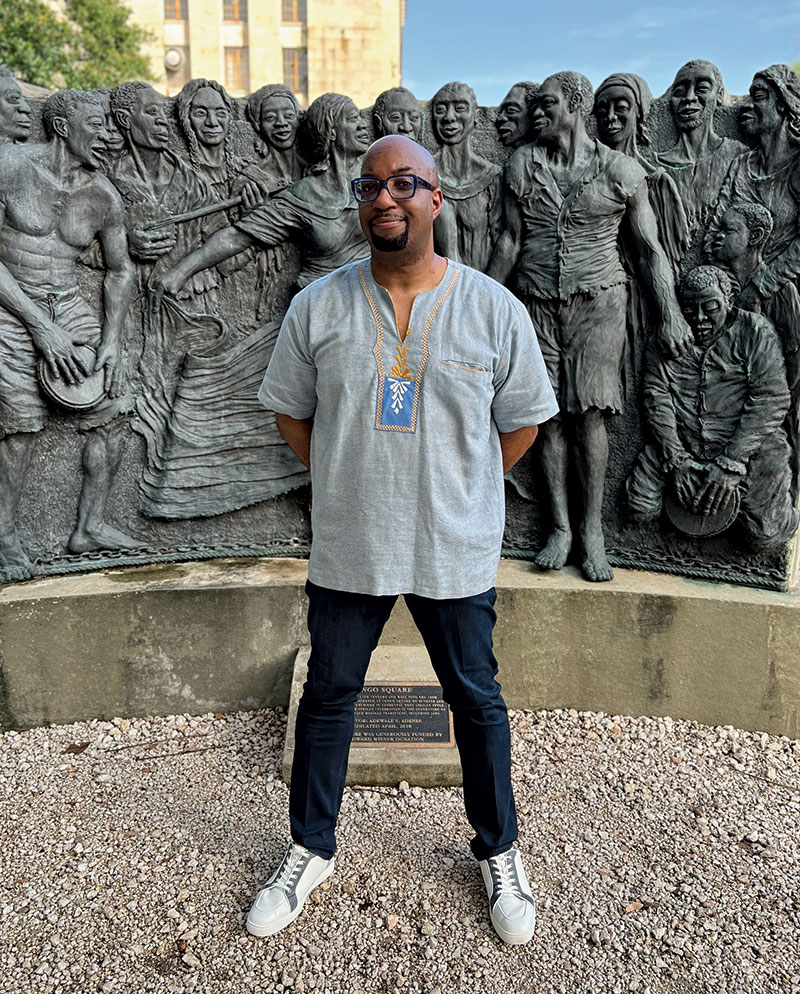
(58, 351)
(719, 487)
(150, 245)
(253, 195)
(171, 282)
(675, 337)
(685, 481)
(109, 357)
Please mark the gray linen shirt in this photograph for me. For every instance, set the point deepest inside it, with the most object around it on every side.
(406, 467)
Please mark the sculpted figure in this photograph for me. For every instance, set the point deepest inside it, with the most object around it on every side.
(770, 175)
(54, 202)
(275, 116)
(700, 159)
(469, 182)
(15, 111)
(567, 199)
(318, 212)
(513, 121)
(396, 112)
(715, 416)
(115, 143)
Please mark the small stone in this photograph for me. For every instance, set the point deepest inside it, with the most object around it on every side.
(191, 960)
(391, 921)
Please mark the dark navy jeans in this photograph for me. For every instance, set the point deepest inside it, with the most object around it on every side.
(345, 628)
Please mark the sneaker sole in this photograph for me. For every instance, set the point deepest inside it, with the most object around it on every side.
(514, 938)
(261, 931)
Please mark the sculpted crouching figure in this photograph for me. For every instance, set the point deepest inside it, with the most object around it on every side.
(567, 201)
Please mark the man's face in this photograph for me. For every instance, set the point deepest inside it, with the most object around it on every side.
(513, 122)
(694, 97)
(761, 111)
(453, 117)
(115, 141)
(279, 121)
(615, 112)
(396, 225)
(733, 238)
(706, 311)
(209, 117)
(401, 116)
(352, 134)
(551, 115)
(148, 127)
(86, 136)
(15, 112)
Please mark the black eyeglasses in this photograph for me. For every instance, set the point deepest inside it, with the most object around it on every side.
(402, 187)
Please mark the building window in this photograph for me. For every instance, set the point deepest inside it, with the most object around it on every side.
(295, 69)
(294, 12)
(237, 69)
(176, 10)
(234, 10)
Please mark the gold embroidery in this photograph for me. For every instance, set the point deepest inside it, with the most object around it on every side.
(400, 368)
(378, 350)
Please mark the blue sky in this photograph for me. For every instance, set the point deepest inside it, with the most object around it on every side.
(492, 45)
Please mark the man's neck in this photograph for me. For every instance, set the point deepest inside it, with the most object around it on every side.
(696, 142)
(64, 165)
(775, 148)
(745, 265)
(569, 146)
(399, 273)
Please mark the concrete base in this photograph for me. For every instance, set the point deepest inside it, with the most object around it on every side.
(421, 766)
(222, 635)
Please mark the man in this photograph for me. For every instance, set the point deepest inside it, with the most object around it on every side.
(409, 384)
(54, 202)
(15, 111)
(567, 201)
(700, 158)
(513, 121)
(396, 112)
(715, 415)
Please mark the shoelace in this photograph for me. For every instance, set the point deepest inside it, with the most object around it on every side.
(294, 862)
(503, 869)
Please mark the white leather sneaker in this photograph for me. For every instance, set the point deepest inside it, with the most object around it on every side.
(511, 905)
(282, 897)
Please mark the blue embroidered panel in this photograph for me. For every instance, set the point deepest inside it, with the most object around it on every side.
(397, 403)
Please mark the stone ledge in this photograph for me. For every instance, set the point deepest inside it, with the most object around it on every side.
(222, 635)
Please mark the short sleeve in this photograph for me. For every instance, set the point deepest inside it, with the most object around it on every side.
(289, 385)
(273, 222)
(523, 394)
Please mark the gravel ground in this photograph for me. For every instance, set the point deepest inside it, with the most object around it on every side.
(663, 855)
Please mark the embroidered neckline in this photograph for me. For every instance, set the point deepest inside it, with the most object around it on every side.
(402, 351)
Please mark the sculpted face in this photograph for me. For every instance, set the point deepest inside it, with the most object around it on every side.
(148, 125)
(732, 239)
(86, 136)
(513, 121)
(694, 96)
(706, 311)
(453, 117)
(115, 142)
(401, 116)
(761, 111)
(551, 114)
(352, 136)
(209, 116)
(615, 111)
(15, 112)
(393, 225)
(279, 122)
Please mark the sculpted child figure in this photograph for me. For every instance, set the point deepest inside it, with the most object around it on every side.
(568, 200)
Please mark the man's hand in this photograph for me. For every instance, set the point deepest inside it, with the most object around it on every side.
(109, 358)
(253, 195)
(171, 282)
(675, 336)
(58, 350)
(150, 245)
(720, 485)
(686, 481)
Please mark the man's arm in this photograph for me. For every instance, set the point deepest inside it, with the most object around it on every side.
(513, 444)
(675, 336)
(220, 246)
(118, 289)
(507, 248)
(297, 435)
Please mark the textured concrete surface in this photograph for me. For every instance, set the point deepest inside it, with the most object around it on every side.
(222, 636)
(419, 765)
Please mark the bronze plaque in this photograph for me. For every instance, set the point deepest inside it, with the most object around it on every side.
(402, 714)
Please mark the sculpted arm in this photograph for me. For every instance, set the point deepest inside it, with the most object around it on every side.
(118, 289)
(674, 334)
(508, 245)
(221, 245)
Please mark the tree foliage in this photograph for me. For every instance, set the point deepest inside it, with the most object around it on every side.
(92, 45)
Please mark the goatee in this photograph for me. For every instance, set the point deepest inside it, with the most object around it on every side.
(396, 244)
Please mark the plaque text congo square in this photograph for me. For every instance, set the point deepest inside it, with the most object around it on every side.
(402, 714)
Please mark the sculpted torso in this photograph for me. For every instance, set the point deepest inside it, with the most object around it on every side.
(46, 224)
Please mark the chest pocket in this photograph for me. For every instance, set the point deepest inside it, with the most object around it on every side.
(468, 387)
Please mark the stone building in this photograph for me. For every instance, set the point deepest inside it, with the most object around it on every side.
(313, 46)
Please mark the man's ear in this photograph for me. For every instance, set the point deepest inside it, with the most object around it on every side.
(123, 119)
(437, 199)
(757, 235)
(61, 126)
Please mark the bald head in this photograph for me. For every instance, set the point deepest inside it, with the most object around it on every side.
(399, 154)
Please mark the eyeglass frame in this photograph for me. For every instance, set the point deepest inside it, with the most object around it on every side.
(384, 184)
